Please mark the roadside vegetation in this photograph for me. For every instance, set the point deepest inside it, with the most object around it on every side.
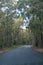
(21, 23)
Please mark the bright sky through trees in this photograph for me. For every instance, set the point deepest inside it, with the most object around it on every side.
(18, 12)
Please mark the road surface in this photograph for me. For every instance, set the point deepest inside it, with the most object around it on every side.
(21, 56)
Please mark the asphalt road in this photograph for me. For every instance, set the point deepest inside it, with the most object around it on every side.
(21, 56)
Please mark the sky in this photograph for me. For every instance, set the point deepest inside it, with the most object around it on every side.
(14, 1)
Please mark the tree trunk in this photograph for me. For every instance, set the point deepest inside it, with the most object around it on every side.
(41, 40)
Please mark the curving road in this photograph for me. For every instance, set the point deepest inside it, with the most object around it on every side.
(21, 56)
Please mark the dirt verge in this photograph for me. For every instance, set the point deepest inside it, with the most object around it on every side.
(38, 49)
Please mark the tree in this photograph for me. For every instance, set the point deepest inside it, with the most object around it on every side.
(6, 27)
(17, 29)
(36, 23)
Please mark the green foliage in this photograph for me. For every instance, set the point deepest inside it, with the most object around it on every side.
(10, 31)
(36, 22)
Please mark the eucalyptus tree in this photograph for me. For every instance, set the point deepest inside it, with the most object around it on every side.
(36, 23)
(9, 25)
(34, 10)
(1, 28)
(6, 26)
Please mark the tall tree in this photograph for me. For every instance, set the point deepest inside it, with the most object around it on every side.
(36, 23)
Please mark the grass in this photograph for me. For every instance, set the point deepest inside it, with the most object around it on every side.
(9, 48)
(13, 47)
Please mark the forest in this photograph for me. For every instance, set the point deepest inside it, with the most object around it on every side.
(21, 23)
